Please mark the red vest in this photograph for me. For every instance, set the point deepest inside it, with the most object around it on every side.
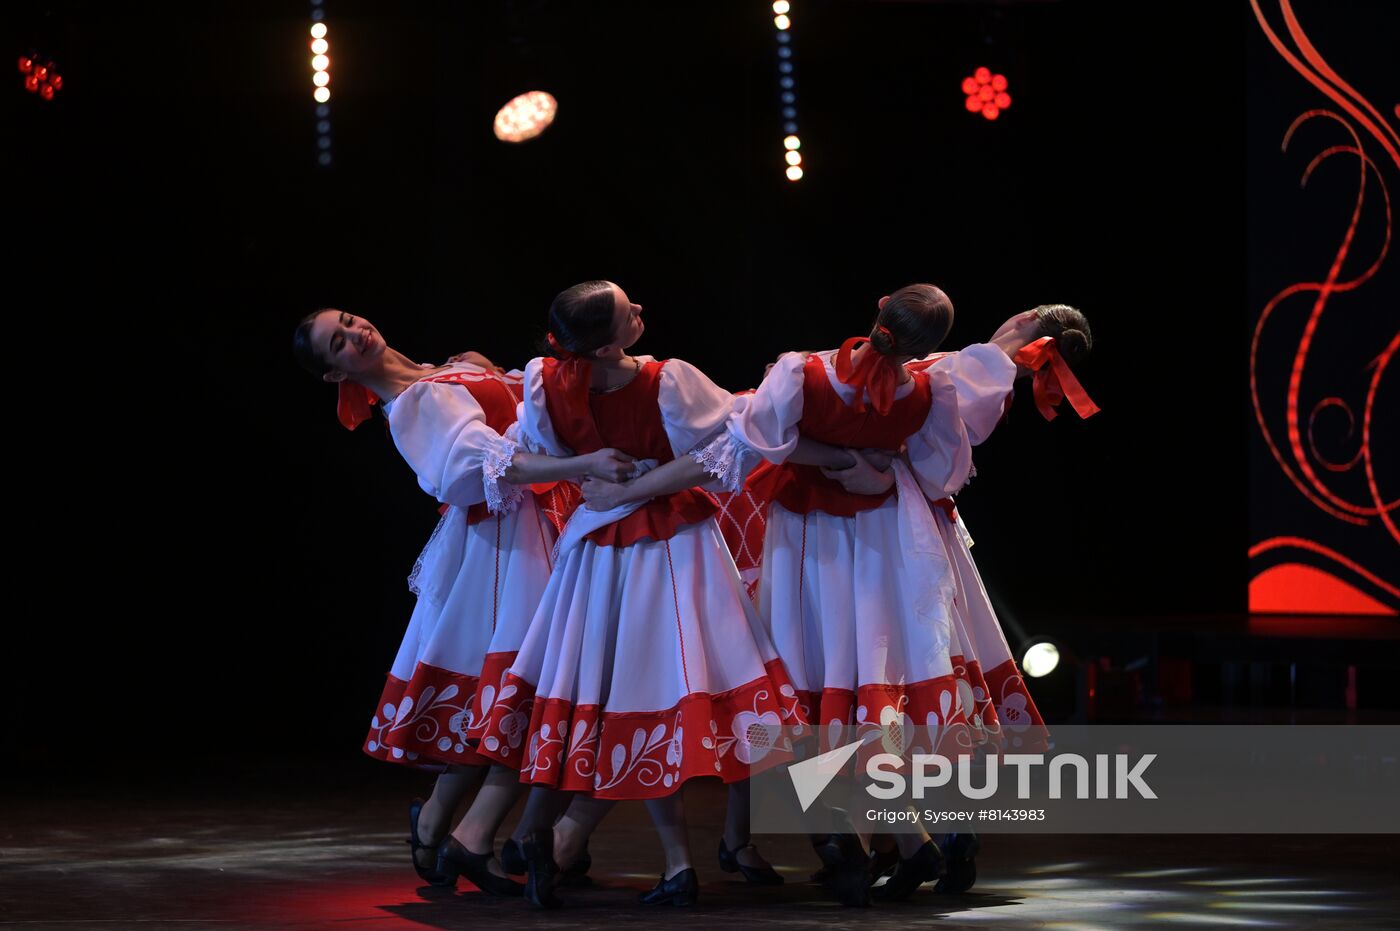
(628, 420)
(828, 419)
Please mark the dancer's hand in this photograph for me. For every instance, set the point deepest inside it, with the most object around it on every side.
(609, 465)
(861, 478)
(599, 495)
(804, 353)
(475, 358)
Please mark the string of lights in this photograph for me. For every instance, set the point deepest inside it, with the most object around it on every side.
(787, 89)
(321, 80)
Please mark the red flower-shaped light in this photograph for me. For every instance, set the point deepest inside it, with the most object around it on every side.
(39, 76)
(986, 93)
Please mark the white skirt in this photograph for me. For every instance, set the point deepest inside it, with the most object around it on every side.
(478, 586)
(840, 598)
(645, 666)
(1002, 708)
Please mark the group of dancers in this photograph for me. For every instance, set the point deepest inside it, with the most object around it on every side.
(582, 627)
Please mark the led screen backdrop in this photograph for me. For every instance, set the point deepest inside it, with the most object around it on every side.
(1324, 304)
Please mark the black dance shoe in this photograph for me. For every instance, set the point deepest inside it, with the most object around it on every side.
(758, 875)
(925, 865)
(960, 853)
(430, 875)
(845, 869)
(513, 858)
(542, 873)
(455, 860)
(681, 889)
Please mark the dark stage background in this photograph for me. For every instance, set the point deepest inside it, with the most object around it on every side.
(212, 566)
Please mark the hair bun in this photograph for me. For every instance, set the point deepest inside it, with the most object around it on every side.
(1070, 329)
(882, 341)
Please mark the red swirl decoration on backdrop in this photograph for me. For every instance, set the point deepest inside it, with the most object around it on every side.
(1301, 462)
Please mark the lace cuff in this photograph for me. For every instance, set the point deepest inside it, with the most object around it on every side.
(501, 496)
(727, 459)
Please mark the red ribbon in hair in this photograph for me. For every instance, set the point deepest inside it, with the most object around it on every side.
(877, 373)
(353, 405)
(1053, 380)
(567, 380)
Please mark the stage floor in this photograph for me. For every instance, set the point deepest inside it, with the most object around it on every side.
(335, 856)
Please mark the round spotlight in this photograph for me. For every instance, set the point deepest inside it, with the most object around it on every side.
(320, 79)
(782, 6)
(1003, 100)
(1040, 659)
(982, 75)
(974, 104)
(320, 63)
(789, 127)
(991, 112)
(792, 142)
(26, 64)
(794, 158)
(322, 94)
(318, 31)
(782, 22)
(525, 116)
(999, 82)
(323, 111)
(794, 173)
(319, 46)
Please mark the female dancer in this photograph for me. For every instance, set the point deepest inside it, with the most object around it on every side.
(645, 665)
(989, 681)
(855, 588)
(477, 580)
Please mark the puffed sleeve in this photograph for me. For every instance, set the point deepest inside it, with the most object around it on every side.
(694, 411)
(984, 377)
(763, 425)
(441, 431)
(940, 453)
(536, 433)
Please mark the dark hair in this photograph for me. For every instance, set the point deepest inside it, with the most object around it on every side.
(918, 318)
(1069, 327)
(305, 351)
(581, 317)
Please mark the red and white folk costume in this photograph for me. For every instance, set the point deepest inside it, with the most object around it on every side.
(988, 678)
(857, 590)
(645, 664)
(479, 577)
